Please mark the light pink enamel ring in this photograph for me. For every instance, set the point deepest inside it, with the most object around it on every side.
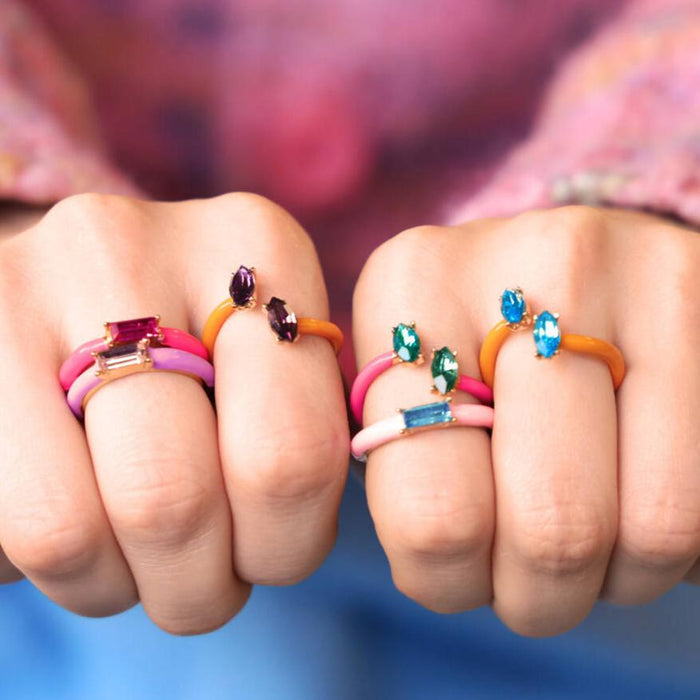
(126, 333)
(123, 360)
(410, 420)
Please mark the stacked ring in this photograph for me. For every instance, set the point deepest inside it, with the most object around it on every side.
(407, 350)
(548, 338)
(126, 333)
(124, 360)
(283, 322)
(419, 418)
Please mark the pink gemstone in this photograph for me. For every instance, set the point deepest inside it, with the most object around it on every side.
(133, 330)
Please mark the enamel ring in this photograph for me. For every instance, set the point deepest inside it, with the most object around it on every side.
(123, 360)
(407, 350)
(419, 418)
(124, 333)
(283, 322)
(549, 340)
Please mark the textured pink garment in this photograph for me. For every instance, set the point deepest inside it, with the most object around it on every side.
(298, 99)
(620, 125)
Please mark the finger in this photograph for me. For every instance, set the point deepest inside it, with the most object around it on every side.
(554, 452)
(8, 572)
(153, 438)
(430, 494)
(659, 534)
(554, 442)
(53, 527)
(693, 576)
(282, 422)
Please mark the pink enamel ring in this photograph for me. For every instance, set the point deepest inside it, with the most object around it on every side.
(123, 360)
(426, 417)
(125, 333)
(407, 350)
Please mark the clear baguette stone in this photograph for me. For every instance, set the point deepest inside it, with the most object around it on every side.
(121, 357)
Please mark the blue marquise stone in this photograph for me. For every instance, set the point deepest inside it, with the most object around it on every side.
(547, 334)
(427, 415)
(512, 305)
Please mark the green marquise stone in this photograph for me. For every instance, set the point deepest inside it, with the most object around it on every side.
(445, 370)
(406, 343)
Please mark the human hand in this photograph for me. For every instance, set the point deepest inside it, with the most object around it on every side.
(581, 492)
(158, 498)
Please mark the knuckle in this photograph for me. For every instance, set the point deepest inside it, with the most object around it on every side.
(93, 208)
(53, 545)
(270, 221)
(559, 542)
(576, 237)
(200, 616)
(662, 535)
(394, 260)
(678, 255)
(188, 624)
(101, 227)
(434, 596)
(440, 528)
(279, 467)
(162, 502)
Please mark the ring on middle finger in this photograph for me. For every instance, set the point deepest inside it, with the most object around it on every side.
(283, 321)
(548, 338)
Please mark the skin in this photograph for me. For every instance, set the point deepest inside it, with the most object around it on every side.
(159, 499)
(581, 493)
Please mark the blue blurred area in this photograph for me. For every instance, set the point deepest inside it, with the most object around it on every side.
(346, 633)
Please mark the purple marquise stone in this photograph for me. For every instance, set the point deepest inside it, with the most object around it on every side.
(133, 330)
(242, 286)
(282, 321)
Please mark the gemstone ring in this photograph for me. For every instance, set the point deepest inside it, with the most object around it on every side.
(419, 418)
(407, 350)
(123, 360)
(283, 322)
(549, 340)
(241, 296)
(288, 328)
(128, 332)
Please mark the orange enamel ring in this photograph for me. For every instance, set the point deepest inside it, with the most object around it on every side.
(283, 321)
(305, 326)
(576, 343)
(323, 329)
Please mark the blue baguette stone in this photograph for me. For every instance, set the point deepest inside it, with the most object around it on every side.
(427, 415)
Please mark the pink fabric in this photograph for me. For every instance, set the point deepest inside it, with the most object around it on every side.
(298, 99)
(390, 429)
(49, 144)
(164, 359)
(81, 358)
(620, 125)
(385, 361)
